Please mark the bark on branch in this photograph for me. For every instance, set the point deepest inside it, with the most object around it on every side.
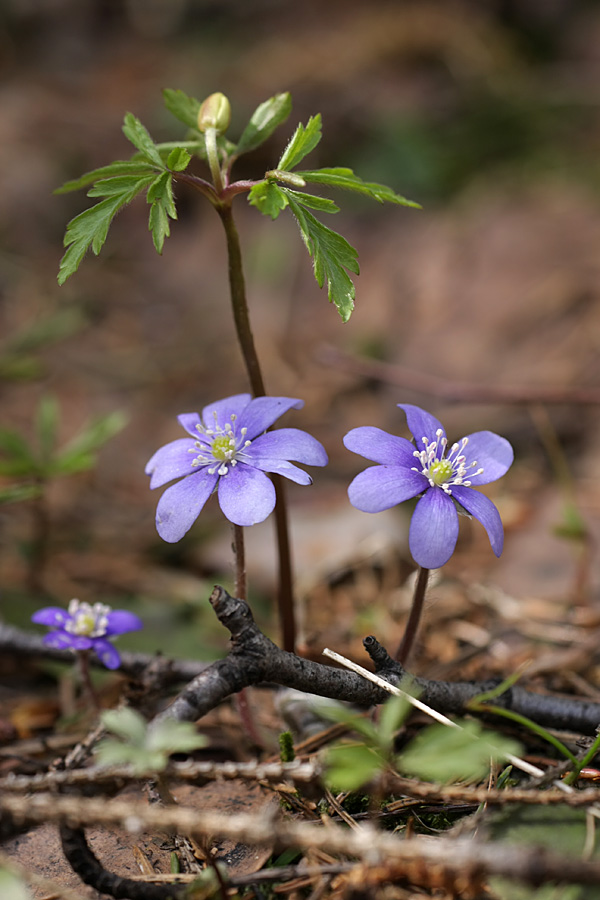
(254, 659)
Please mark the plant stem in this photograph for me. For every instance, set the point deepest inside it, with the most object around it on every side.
(414, 617)
(212, 153)
(83, 658)
(285, 598)
(240, 562)
(241, 697)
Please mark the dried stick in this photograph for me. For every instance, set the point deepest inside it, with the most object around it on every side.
(254, 659)
(414, 857)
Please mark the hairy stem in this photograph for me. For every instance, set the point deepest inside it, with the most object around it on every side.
(414, 617)
(241, 317)
(239, 562)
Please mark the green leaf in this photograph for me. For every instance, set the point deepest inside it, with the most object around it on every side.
(135, 132)
(349, 766)
(16, 493)
(178, 159)
(322, 204)
(346, 179)
(80, 453)
(440, 753)
(135, 167)
(175, 737)
(12, 888)
(14, 446)
(557, 829)
(46, 424)
(127, 723)
(265, 119)
(116, 753)
(331, 254)
(90, 228)
(160, 196)
(268, 197)
(184, 108)
(353, 720)
(302, 142)
(120, 185)
(391, 716)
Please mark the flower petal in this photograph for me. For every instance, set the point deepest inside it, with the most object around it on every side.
(492, 453)
(220, 412)
(54, 616)
(421, 424)
(63, 641)
(382, 487)
(282, 467)
(288, 443)
(246, 495)
(121, 620)
(107, 654)
(263, 411)
(484, 510)
(189, 422)
(181, 504)
(172, 461)
(381, 447)
(433, 529)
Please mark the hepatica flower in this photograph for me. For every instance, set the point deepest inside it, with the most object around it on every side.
(444, 477)
(87, 627)
(229, 451)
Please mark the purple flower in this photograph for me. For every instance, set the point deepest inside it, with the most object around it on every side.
(86, 627)
(230, 451)
(444, 477)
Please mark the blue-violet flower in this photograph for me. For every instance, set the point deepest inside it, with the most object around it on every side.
(87, 627)
(230, 451)
(444, 477)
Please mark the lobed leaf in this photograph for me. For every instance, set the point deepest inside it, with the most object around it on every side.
(349, 766)
(127, 724)
(332, 255)
(347, 180)
(182, 106)
(135, 132)
(445, 754)
(263, 122)
(120, 167)
(301, 143)
(160, 196)
(90, 228)
(268, 197)
(178, 159)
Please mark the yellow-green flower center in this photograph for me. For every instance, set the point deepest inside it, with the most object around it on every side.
(223, 447)
(440, 471)
(84, 624)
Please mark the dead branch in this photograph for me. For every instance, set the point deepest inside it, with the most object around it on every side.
(455, 859)
(254, 659)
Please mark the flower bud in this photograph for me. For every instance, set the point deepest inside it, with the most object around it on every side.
(215, 112)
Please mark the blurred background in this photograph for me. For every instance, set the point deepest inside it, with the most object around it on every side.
(486, 113)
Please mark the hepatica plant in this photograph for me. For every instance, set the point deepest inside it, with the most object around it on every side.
(443, 475)
(223, 458)
(229, 451)
(84, 626)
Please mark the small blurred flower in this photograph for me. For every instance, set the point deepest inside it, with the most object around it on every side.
(443, 479)
(229, 448)
(87, 627)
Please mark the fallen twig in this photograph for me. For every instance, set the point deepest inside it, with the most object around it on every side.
(254, 659)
